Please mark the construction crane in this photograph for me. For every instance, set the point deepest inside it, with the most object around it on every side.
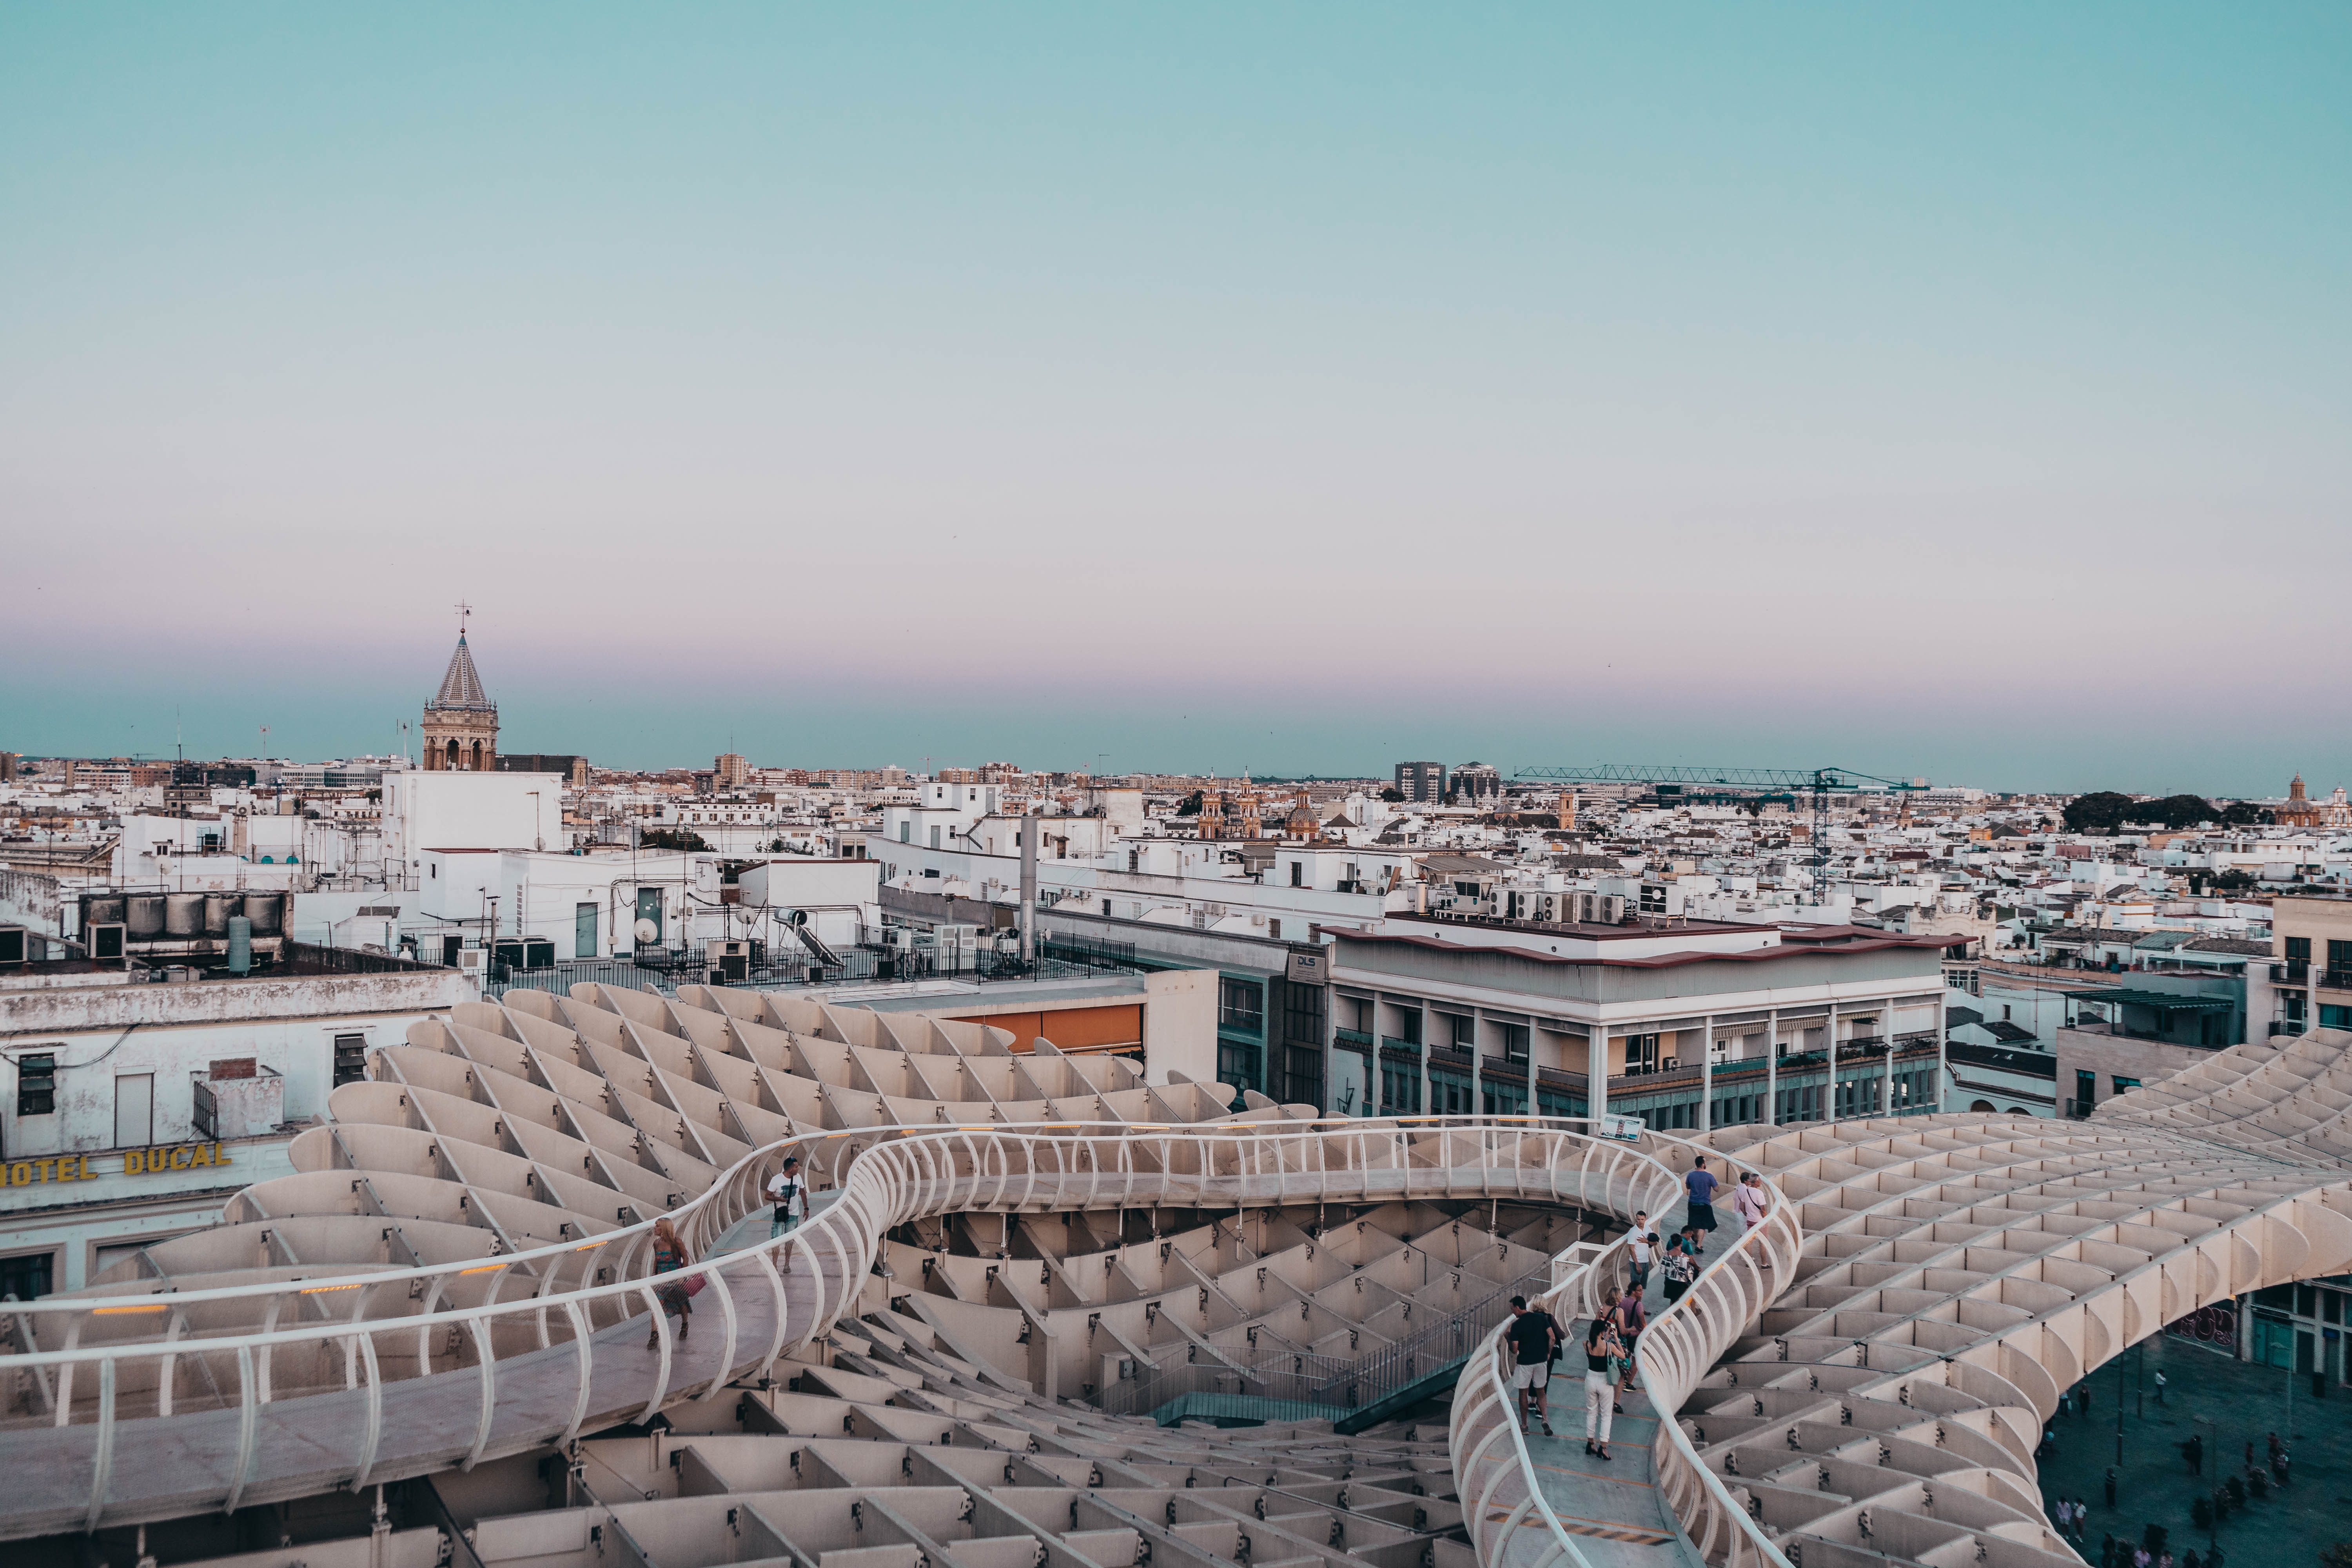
(1791, 784)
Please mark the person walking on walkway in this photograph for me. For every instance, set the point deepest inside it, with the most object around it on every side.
(1700, 1185)
(677, 1300)
(790, 1196)
(1643, 1243)
(2159, 1387)
(1681, 1266)
(1535, 1339)
(1750, 1199)
(1602, 1348)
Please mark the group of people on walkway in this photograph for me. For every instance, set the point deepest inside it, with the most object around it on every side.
(1614, 1334)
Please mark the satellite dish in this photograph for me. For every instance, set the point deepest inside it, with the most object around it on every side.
(647, 932)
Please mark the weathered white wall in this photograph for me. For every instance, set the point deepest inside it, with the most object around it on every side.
(1180, 1024)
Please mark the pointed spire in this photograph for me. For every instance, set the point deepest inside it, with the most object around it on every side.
(461, 688)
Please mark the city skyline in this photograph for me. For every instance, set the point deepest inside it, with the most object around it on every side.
(1937, 396)
(643, 732)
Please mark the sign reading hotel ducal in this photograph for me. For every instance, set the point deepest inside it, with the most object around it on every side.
(135, 1162)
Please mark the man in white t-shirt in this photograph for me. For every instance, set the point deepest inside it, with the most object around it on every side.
(790, 1195)
(1644, 1244)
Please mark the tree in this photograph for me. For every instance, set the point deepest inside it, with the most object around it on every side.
(681, 838)
(2101, 812)
(2178, 811)
(1392, 796)
(2244, 814)
(1190, 806)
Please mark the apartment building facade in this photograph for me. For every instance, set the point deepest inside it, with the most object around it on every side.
(1688, 1026)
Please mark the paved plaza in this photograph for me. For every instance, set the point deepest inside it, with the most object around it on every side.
(2232, 1403)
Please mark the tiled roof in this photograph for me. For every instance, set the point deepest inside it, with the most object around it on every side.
(462, 687)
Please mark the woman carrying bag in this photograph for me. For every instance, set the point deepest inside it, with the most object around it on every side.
(669, 1256)
(1602, 1350)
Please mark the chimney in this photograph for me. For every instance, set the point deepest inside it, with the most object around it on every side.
(1029, 825)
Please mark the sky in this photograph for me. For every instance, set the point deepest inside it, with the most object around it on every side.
(1951, 392)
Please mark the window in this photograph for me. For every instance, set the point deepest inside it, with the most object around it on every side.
(1241, 1004)
(36, 1084)
(906, 832)
(1400, 1089)
(1515, 1043)
(2339, 956)
(1504, 1099)
(1448, 1095)
(1641, 1054)
(1466, 1032)
(2335, 1017)
(26, 1277)
(1238, 1065)
(2123, 1083)
(1298, 873)
(1273, 929)
(350, 1060)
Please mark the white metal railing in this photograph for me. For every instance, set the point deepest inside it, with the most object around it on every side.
(1493, 1472)
(368, 1377)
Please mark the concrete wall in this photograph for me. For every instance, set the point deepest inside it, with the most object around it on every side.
(471, 811)
(1180, 1024)
(100, 1033)
(2111, 1055)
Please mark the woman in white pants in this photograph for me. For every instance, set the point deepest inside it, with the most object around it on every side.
(1601, 1346)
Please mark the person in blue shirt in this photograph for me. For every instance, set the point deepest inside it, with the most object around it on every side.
(1700, 1184)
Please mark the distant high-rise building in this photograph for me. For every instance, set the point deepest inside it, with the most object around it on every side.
(1421, 781)
(1473, 782)
(730, 770)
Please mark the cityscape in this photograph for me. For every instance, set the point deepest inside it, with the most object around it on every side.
(1294, 751)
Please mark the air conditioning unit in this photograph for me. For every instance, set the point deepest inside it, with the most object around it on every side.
(729, 960)
(474, 960)
(12, 946)
(105, 942)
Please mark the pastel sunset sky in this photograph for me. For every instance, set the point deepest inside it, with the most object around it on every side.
(1949, 391)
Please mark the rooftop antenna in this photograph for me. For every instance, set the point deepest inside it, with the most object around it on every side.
(465, 611)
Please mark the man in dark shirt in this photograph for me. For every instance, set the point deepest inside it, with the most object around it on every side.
(1700, 1184)
(1535, 1339)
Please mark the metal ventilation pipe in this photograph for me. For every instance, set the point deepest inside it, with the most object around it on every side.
(1029, 888)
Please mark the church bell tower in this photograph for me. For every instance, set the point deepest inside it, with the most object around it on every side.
(461, 722)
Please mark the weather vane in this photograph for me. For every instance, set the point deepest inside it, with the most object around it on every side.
(464, 610)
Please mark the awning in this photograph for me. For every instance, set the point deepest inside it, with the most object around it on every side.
(2164, 1000)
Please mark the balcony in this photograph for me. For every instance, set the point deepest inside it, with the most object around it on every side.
(1508, 1069)
(2287, 1026)
(1862, 1048)
(2336, 980)
(1408, 1050)
(1354, 1039)
(2294, 972)
(1676, 1077)
(1797, 1061)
